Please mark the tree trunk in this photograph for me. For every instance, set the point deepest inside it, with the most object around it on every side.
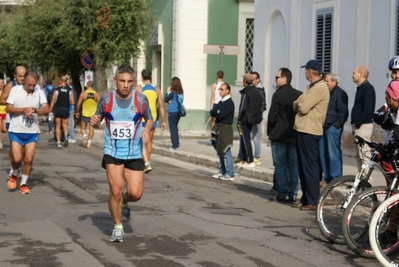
(101, 79)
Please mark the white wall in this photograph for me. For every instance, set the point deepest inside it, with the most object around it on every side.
(190, 33)
(363, 34)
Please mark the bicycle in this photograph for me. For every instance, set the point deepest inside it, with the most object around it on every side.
(338, 194)
(384, 245)
(357, 216)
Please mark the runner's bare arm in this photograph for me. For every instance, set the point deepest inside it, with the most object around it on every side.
(5, 93)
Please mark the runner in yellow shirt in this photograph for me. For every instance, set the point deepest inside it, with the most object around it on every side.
(88, 100)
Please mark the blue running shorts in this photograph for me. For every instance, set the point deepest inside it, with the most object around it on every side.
(23, 138)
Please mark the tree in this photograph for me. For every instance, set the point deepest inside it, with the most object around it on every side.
(49, 33)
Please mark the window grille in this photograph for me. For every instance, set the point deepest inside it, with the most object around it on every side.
(249, 44)
(324, 39)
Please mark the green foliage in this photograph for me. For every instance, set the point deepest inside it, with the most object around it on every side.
(54, 33)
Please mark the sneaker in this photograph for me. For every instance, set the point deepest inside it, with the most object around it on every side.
(12, 182)
(246, 165)
(147, 168)
(278, 199)
(88, 145)
(388, 237)
(125, 213)
(66, 143)
(237, 160)
(117, 235)
(257, 161)
(227, 178)
(1, 146)
(217, 175)
(272, 191)
(24, 189)
(59, 144)
(72, 141)
(290, 200)
(173, 149)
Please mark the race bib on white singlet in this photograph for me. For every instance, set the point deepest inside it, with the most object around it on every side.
(122, 129)
(28, 121)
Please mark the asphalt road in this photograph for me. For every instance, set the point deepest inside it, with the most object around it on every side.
(185, 218)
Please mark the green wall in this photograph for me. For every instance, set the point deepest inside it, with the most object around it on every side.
(162, 12)
(222, 29)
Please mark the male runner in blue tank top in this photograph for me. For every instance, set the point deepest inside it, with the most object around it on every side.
(124, 135)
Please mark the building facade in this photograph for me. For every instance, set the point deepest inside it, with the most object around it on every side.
(339, 34)
(176, 48)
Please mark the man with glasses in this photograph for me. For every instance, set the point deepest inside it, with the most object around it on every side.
(280, 129)
(222, 132)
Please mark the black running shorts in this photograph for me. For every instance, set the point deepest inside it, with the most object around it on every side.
(62, 113)
(131, 164)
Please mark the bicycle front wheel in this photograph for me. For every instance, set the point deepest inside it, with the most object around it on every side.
(357, 216)
(329, 212)
(384, 245)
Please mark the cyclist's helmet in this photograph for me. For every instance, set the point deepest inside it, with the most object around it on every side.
(394, 63)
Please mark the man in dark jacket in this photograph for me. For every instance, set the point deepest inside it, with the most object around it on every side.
(330, 152)
(280, 130)
(249, 114)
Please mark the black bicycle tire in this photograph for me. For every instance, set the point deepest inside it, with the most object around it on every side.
(351, 240)
(327, 233)
(373, 233)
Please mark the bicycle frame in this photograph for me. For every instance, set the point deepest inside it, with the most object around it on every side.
(374, 162)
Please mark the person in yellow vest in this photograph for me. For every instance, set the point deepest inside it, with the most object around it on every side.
(154, 96)
(88, 101)
(3, 113)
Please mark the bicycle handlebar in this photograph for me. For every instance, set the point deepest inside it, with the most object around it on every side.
(360, 142)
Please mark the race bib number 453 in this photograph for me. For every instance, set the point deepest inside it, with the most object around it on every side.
(122, 129)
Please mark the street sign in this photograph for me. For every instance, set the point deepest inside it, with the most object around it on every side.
(87, 60)
(221, 50)
(88, 76)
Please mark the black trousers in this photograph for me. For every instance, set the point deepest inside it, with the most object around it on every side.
(307, 149)
(245, 142)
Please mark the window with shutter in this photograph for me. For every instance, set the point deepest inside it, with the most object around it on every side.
(249, 44)
(324, 20)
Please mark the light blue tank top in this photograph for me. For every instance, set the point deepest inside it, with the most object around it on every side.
(123, 129)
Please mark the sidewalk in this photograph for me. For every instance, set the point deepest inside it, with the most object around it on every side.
(194, 149)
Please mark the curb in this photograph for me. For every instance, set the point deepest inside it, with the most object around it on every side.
(263, 174)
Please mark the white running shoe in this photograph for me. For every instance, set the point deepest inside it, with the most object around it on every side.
(117, 235)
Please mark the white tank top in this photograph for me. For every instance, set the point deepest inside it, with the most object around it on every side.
(217, 96)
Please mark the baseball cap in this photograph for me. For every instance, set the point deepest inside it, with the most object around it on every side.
(313, 65)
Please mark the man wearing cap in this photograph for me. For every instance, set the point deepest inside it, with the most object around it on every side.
(311, 108)
(362, 112)
(249, 114)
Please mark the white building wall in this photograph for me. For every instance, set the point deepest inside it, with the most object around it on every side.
(190, 33)
(363, 34)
